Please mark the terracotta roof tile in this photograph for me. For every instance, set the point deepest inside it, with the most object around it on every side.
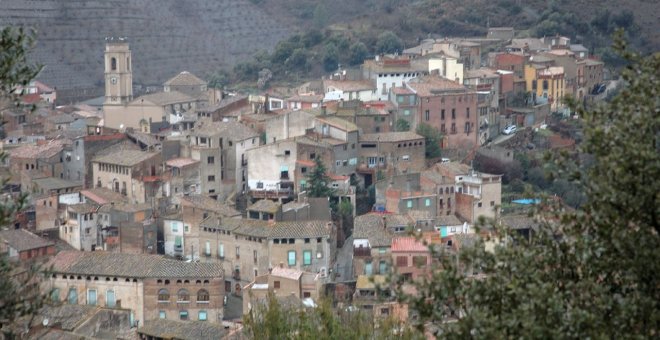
(131, 265)
(185, 78)
(21, 239)
(408, 244)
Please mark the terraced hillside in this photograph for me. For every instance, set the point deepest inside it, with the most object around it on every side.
(166, 37)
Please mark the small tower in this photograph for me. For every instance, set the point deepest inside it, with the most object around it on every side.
(118, 73)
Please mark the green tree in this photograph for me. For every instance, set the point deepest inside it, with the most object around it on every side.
(219, 79)
(388, 42)
(587, 273)
(433, 138)
(402, 125)
(318, 180)
(298, 60)
(358, 52)
(320, 18)
(19, 291)
(330, 58)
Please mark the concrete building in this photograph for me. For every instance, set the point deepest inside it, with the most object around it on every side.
(477, 194)
(346, 90)
(135, 174)
(369, 117)
(78, 161)
(447, 67)
(411, 258)
(283, 167)
(149, 286)
(387, 73)
(281, 282)
(23, 246)
(392, 152)
(80, 229)
(546, 82)
(221, 149)
(486, 82)
(182, 177)
(449, 107)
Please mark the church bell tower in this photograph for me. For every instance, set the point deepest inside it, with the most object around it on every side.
(118, 72)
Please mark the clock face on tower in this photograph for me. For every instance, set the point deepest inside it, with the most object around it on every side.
(113, 80)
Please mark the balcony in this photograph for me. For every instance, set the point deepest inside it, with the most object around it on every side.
(361, 251)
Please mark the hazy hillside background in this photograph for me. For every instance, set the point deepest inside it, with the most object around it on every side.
(204, 36)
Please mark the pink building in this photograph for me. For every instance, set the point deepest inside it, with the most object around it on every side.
(410, 257)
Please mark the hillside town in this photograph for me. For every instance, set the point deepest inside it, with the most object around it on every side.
(171, 212)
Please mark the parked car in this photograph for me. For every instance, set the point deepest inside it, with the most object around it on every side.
(509, 130)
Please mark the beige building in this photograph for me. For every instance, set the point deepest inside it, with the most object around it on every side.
(122, 110)
(281, 282)
(150, 286)
(134, 174)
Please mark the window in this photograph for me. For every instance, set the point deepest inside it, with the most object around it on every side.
(453, 113)
(287, 152)
(479, 204)
(303, 170)
(113, 64)
(427, 202)
(183, 296)
(186, 228)
(442, 114)
(276, 284)
(238, 252)
(292, 257)
(162, 315)
(175, 227)
(427, 115)
(178, 242)
(401, 261)
(207, 248)
(183, 315)
(110, 298)
(406, 112)
(55, 295)
(211, 178)
(382, 267)
(210, 160)
(409, 204)
(202, 296)
(406, 157)
(492, 203)
(467, 112)
(163, 295)
(533, 84)
(545, 84)
(368, 268)
(221, 251)
(307, 257)
(201, 315)
(72, 297)
(255, 256)
(91, 297)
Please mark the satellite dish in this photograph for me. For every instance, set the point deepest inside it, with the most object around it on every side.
(45, 322)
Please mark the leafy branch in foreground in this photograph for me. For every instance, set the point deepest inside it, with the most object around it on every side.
(587, 273)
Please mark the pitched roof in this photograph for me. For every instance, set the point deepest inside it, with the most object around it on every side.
(125, 157)
(408, 244)
(185, 78)
(350, 85)
(233, 130)
(372, 228)
(288, 273)
(300, 229)
(265, 206)
(207, 203)
(180, 162)
(386, 137)
(131, 265)
(164, 98)
(21, 239)
(47, 150)
(185, 330)
(54, 183)
(432, 85)
(448, 220)
(338, 123)
(103, 195)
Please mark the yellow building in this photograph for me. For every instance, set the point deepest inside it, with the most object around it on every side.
(546, 82)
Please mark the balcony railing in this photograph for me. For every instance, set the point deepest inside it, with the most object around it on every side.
(361, 251)
(276, 193)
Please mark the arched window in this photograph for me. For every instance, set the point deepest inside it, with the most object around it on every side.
(163, 295)
(113, 64)
(202, 295)
(183, 296)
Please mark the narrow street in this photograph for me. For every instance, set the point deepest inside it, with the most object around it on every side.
(344, 265)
